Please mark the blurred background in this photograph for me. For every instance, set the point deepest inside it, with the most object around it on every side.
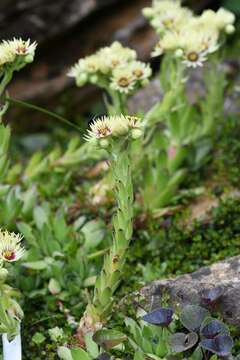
(69, 29)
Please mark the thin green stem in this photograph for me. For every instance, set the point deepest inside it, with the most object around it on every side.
(44, 111)
(5, 81)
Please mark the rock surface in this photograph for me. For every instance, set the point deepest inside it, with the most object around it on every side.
(187, 288)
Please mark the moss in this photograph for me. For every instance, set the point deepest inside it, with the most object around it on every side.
(167, 248)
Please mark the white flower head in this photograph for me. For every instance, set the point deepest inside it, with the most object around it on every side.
(171, 20)
(194, 59)
(140, 70)
(21, 47)
(123, 80)
(100, 128)
(167, 15)
(10, 246)
(197, 44)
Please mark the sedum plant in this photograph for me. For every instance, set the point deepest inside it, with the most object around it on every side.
(186, 41)
(116, 70)
(14, 55)
(186, 36)
(11, 313)
(178, 135)
(115, 134)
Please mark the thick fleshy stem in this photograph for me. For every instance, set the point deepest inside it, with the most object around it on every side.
(98, 312)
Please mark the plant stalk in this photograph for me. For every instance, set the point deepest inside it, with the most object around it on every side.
(98, 312)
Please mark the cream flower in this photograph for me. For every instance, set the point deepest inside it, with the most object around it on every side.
(169, 42)
(115, 55)
(20, 47)
(6, 55)
(167, 15)
(100, 128)
(123, 80)
(77, 69)
(171, 20)
(101, 64)
(10, 246)
(140, 70)
(114, 126)
(197, 45)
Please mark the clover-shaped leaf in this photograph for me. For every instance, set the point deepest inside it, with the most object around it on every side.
(180, 342)
(220, 345)
(213, 328)
(160, 317)
(192, 317)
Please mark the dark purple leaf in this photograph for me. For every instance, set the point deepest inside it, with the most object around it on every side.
(161, 317)
(192, 317)
(103, 356)
(220, 345)
(180, 342)
(211, 296)
(214, 328)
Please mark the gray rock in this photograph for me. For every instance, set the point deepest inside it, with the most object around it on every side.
(42, 19)
(187, 288)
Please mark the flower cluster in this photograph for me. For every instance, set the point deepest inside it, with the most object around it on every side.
(115, 127)
(114, 67)
(10, 246)
(16, 52)
(189, 37)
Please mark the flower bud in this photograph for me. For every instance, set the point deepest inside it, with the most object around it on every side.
(56, 334)
(3, 274)
(81, 80)
(136, 133)
(104, 143)
(29, 58)
(94, 79)
(179, 53)
(148, 12)
(145, 82)
(230, 29)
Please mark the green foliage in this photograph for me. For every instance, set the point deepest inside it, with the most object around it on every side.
(75, 256)
(232, 5)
